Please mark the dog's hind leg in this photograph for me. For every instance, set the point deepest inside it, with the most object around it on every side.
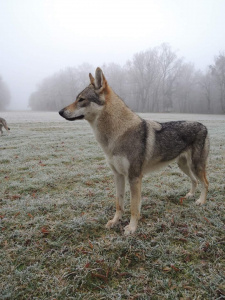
(204, 183)
(184, 163)
(135, 204)
(120, 190)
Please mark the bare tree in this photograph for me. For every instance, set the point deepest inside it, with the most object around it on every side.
(170, 69)
(206, 84)
(143, 76)
(218, 72)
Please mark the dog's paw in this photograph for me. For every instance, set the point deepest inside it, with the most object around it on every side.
(189, 195)
(129, 229)
(110, 224)
(200, 201)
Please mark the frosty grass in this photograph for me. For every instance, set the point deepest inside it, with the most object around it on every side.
(56, 196)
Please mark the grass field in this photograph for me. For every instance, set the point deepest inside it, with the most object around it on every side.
(56, 196)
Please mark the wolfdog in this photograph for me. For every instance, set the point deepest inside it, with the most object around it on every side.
(134, 146)
(3, 124)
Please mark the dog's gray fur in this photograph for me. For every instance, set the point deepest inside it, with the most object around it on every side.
(134, 146)
(3, 124)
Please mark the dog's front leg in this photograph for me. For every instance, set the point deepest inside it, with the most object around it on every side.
(135, 205)
(120, 190)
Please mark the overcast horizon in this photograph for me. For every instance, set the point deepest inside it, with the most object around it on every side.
(39, 38)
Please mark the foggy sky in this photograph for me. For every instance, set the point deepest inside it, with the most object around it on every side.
(39, 38)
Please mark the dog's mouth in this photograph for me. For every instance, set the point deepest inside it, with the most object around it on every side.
(75, 118)
(61, 112)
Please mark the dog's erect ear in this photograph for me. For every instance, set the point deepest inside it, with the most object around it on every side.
(92, 80)
(98, 78)
(100, 81)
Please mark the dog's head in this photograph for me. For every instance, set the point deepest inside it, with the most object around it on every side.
(90, 101)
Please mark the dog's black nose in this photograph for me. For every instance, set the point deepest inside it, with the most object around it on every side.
(61, 112)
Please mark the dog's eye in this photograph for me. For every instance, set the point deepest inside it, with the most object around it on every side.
(81, 99)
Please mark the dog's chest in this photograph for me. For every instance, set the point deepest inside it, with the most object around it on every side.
(118, 163)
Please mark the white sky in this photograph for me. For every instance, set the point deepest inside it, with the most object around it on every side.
(41, 37)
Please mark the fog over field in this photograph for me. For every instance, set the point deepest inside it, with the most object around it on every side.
(42, 38)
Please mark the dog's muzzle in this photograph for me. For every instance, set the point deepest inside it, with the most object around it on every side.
(61, 112)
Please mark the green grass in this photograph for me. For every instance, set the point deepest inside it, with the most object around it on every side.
(56, 196)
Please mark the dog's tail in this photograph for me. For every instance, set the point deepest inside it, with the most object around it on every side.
(200, 152)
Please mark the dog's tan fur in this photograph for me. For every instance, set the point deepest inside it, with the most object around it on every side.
(134, 147)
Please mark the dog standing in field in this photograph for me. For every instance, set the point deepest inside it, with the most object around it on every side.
(134, 147)
(3, 124)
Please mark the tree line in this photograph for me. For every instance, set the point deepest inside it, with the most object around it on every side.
(155, 80)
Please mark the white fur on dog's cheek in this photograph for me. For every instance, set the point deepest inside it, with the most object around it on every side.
(92, 111)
